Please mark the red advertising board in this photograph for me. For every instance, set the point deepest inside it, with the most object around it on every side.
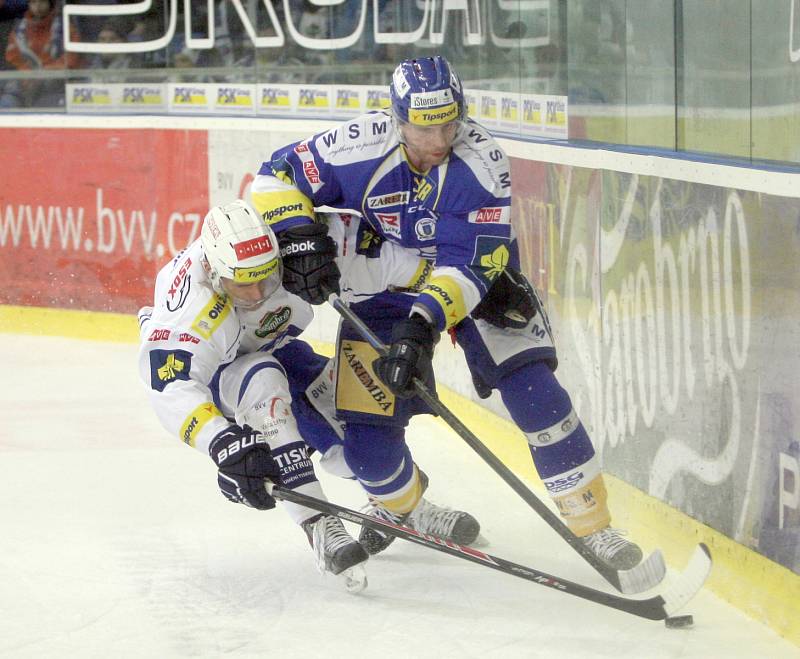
(87, 217)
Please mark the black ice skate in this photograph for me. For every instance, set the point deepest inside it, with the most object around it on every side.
(613, 549)
(336, 551)
(454, 525)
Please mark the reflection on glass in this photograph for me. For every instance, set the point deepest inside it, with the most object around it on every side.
(690, 75)
(714, 90)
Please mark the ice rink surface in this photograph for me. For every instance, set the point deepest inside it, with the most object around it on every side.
(116, 543)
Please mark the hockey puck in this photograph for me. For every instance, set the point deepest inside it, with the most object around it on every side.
(679, 622)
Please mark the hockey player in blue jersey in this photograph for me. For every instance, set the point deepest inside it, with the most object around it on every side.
(426, 177)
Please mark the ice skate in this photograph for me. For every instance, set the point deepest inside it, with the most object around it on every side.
(454, 525)
(428, 518)
(336, 551)
(613, 549)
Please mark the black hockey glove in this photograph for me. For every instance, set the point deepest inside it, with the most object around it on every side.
(309, 269)
(244, 461)
(510, 303)
(409, 356)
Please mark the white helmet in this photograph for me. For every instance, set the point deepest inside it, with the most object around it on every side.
(241, 247)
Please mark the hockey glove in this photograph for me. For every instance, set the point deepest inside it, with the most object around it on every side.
(409, 356)
(244, 461)
(510, 303)
(309, 269)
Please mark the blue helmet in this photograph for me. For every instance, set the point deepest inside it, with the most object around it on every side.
(427, 92)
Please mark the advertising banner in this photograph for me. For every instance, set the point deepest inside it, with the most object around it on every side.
(93, 214)
(234, 99)
(191, 97)
(675, 306)
(117, 97)
(529, 115)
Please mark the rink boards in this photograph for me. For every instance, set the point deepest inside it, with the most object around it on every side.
(671, 285)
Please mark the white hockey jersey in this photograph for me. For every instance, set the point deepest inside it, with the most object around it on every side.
(191, 331)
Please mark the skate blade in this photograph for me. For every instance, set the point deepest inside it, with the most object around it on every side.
(354, 579)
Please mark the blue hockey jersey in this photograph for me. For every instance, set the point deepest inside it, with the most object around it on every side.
(457, 215)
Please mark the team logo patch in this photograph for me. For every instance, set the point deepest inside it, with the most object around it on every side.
(166, 366)
(425, 228)
(491, 254)
(273, 321)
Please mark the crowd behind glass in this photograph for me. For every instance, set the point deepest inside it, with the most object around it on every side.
(686, 75)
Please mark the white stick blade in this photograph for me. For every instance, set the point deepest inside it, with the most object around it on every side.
(648, 574)
(689, 582)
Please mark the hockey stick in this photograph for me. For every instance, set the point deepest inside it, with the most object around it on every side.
(658, 607)
(649, 573)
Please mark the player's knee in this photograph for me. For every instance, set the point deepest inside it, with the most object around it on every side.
(375, 453)
(534, 398)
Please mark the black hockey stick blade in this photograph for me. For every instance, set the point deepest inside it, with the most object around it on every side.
(658, 607)
(648, 574)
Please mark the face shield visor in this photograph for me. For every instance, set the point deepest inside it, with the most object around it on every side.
(251, 287)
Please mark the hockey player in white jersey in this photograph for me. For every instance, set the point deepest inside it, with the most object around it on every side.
(226, 373)
(429, 179)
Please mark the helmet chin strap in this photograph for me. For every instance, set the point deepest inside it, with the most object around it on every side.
(213, 276)
(396, 125)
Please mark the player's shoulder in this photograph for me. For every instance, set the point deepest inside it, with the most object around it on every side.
(477, 157)
(365, 137)
(478, 149)
(184, 300)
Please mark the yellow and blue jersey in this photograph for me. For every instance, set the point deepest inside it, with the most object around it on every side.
(457, 215)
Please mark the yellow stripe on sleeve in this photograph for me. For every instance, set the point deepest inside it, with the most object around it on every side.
(194, 423)
(276, 205)
(447, 292)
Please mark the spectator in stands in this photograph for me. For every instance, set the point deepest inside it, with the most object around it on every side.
(10, 10)
(36, 42)
(90, 26)
(149, 27)
(113, 31)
